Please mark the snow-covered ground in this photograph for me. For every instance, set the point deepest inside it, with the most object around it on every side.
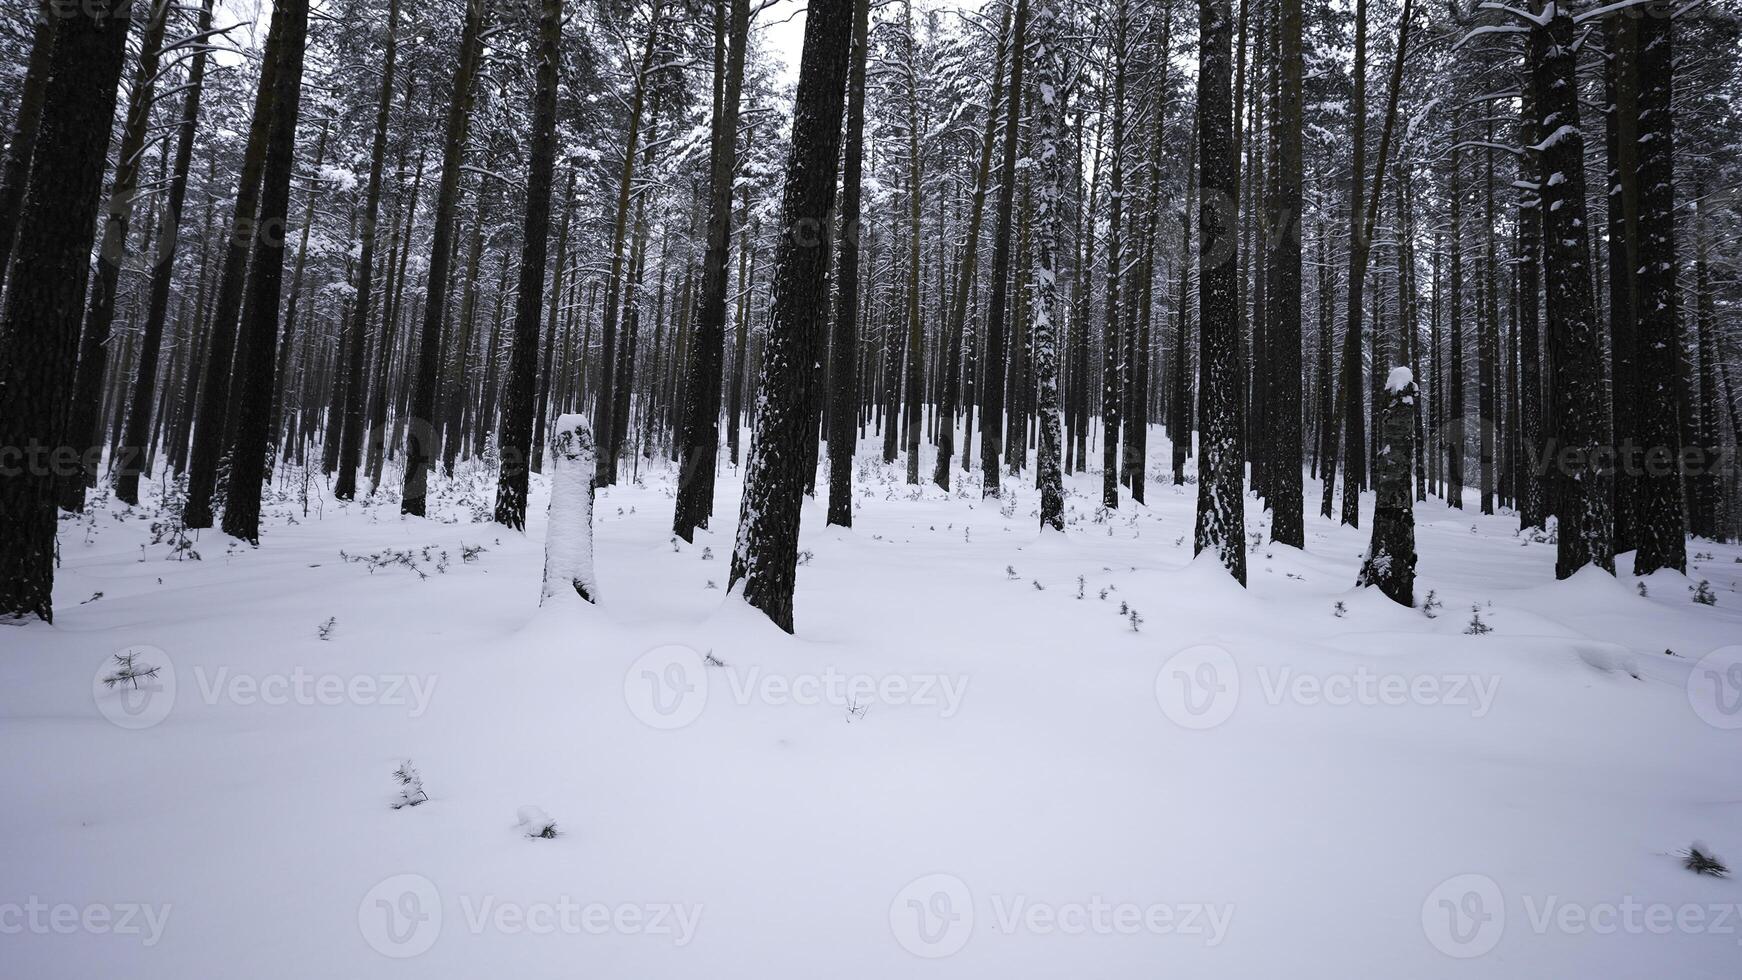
(983, 754)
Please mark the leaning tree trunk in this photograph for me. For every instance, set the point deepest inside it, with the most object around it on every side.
(39, 332)
(1221, 521)
(130, 461)
(844, 343)
(765, 558)
(254, 439)
(1390, 559)
(422, 434)
(514, 438)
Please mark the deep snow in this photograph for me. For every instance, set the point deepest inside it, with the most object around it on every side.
(966, 763)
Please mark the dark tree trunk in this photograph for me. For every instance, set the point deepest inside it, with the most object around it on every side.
(351, 432)
(1532, 502)
(15, 171)
(1390, 559)
(514, 439)
(766, 556)
(1283, 305)
(39, 332)
(707, 351)
(992, 384)
(844, 346)
(85, 412)
(1221, 521)
(1112, 349)
(1659, 521)
(130, 461)
(420, 444)
(1047, 119)
(254, 439)
(210, 422)
(1586, 535)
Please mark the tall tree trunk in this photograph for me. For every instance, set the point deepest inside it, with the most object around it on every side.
(1047, 120)
(1221, 520)
(1582, 426)
(84, 414)
(844, 345)
(514, 439)
(992, 384)
(1660, 521)
(39, 332)
(254, 441)
(701, 430)
(15, 171)
(351, 433)
(130, 461)
(1283, 305)
(420, 445)
(765, 557)
(1113, 353)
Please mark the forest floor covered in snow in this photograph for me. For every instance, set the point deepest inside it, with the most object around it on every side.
(983, 754)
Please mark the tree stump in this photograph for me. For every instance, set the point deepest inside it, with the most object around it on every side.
(568, 539)
(1390, 559)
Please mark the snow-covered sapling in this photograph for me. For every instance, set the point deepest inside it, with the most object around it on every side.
(1079, 586)
(1010, 573)
(1701, 861)
(1135, 619)
(568, 541)
(1339, 610)
(1476, 627)
(410, 786)
(1703, 593)
(1430, 605)
(325, 630)
(1643, 594)
(535, 823)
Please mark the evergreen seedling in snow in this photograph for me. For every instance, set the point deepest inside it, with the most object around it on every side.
(1703, 862)
(535, 823)
(1476, 626)
(1703, 593)
(128, 671)
(410, 786)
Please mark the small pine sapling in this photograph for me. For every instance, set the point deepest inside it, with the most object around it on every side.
(410, 786)
(535, 823)
(128, 671)
(1701, 861)
(1476, 627)
(1703, 593)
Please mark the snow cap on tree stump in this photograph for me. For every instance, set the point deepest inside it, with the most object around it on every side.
(568, 539)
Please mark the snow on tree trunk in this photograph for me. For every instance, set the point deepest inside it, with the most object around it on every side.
(1390, 560)
(568, 538)
(1046, 121)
